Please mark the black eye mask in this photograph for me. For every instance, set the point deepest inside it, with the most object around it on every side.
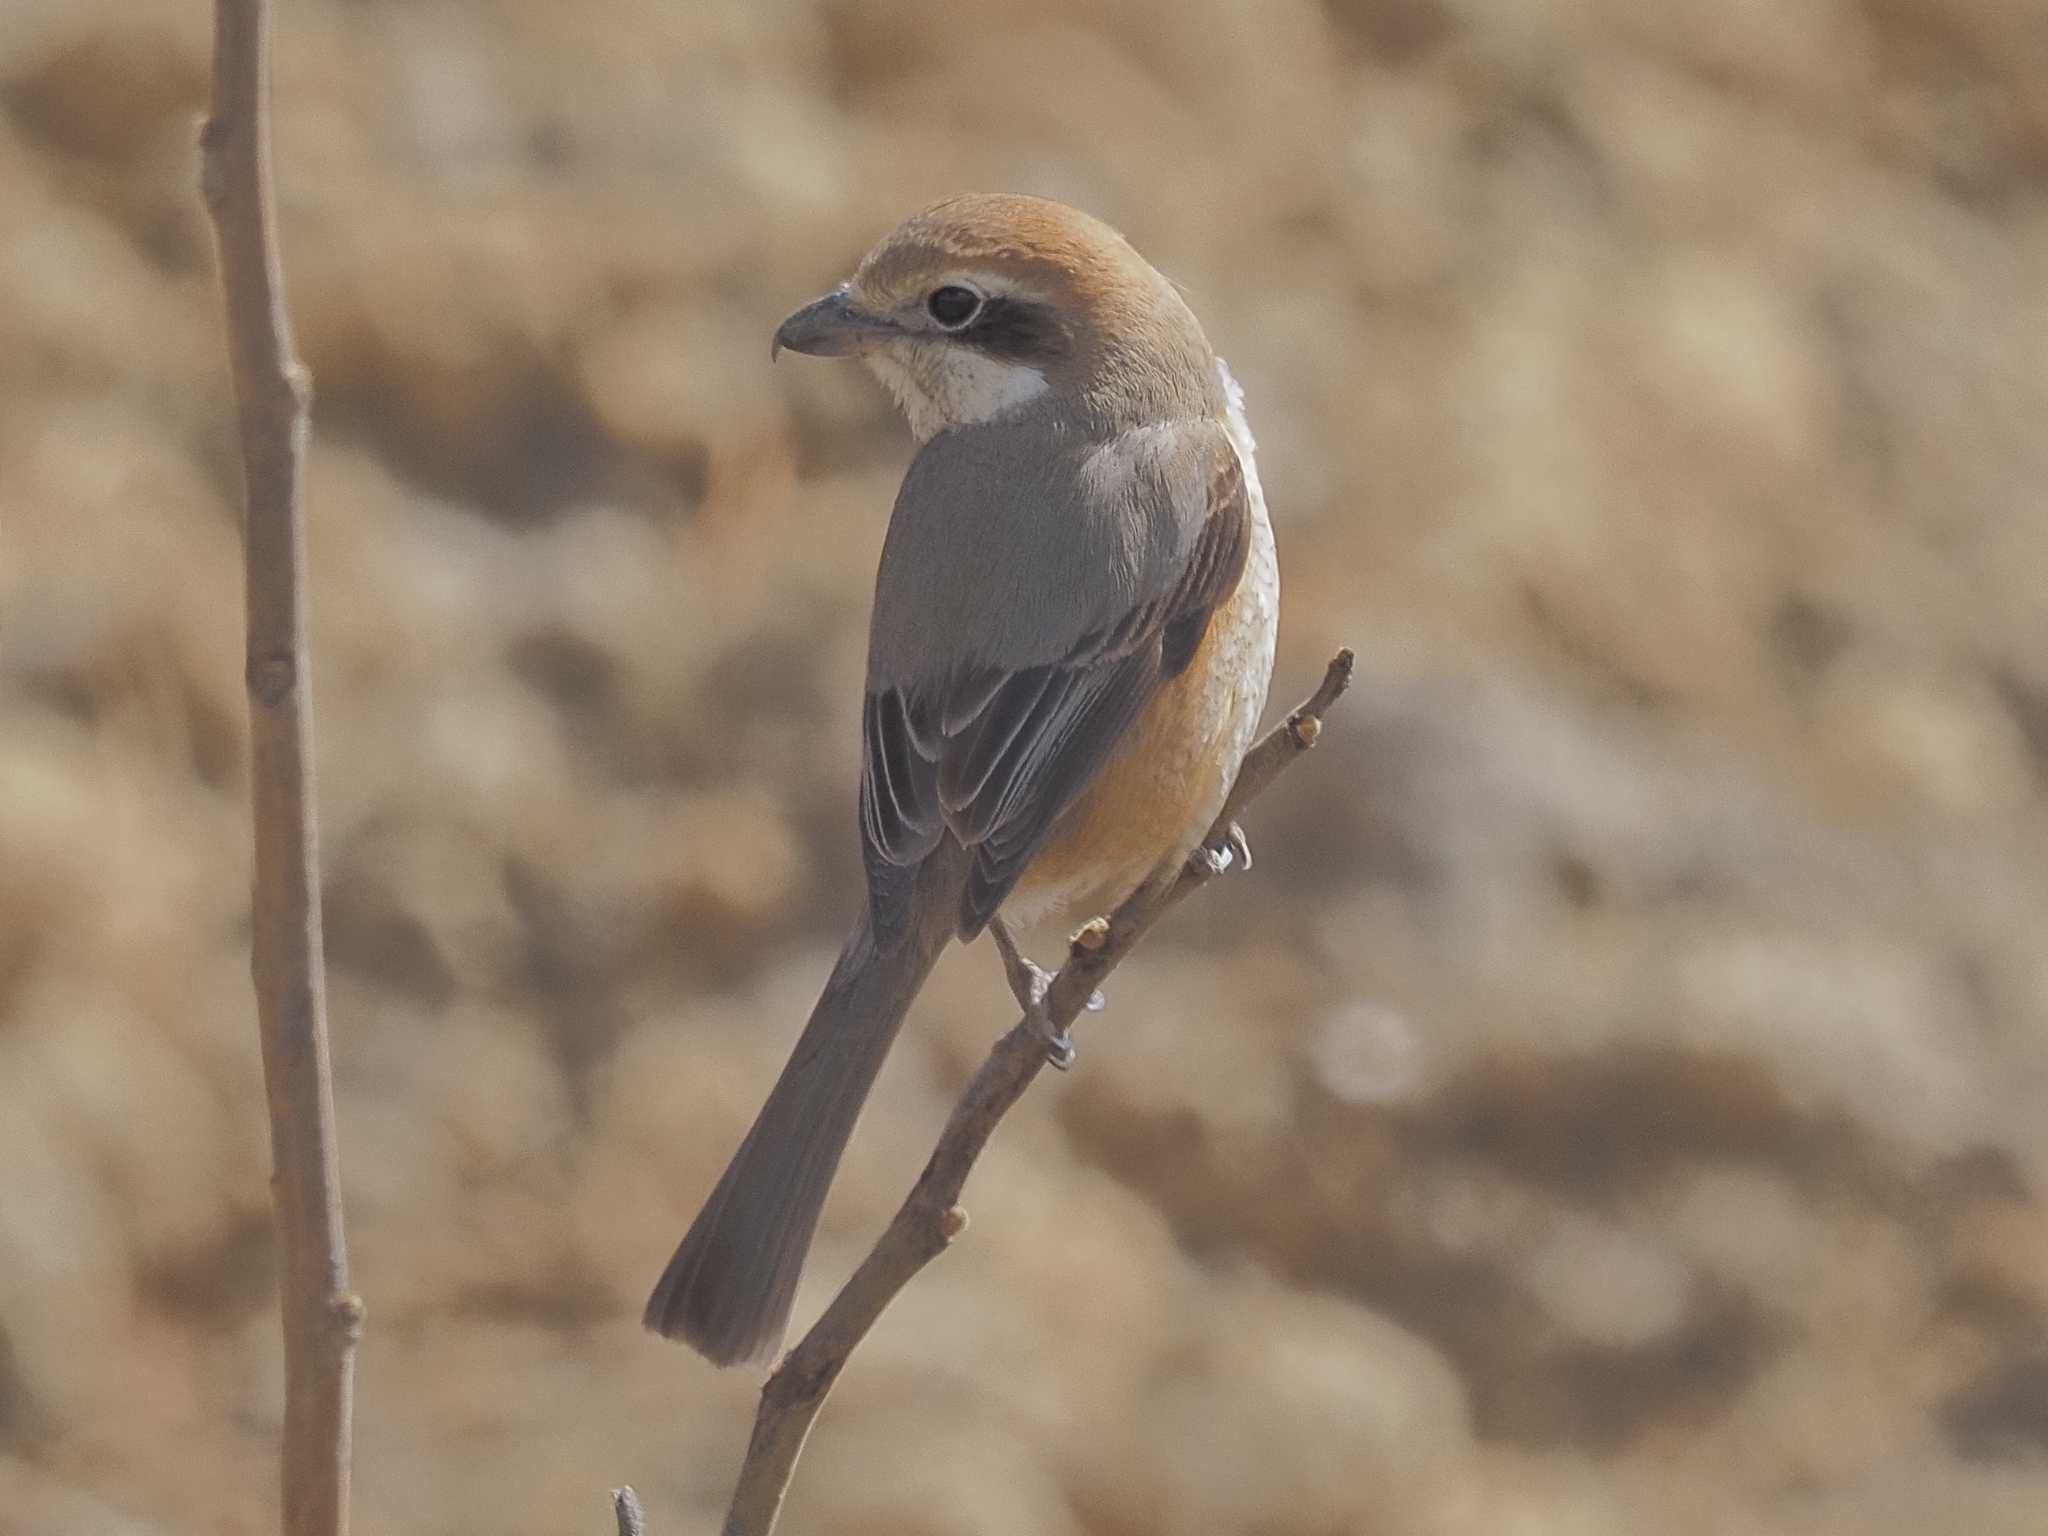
(1017, 331)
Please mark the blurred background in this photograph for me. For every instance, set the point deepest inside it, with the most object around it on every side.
(1613, 1103)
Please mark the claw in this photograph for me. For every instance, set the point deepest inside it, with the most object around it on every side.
(1235, 852)
(1029, 984)
(1240, 845)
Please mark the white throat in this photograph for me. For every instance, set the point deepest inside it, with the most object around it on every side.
(939, 384)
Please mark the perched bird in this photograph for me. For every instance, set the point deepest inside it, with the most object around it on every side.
(1072, 636)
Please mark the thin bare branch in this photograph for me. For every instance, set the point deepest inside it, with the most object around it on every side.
(931, 1218)
(321, 1317)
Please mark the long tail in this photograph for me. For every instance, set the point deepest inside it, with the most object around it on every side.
(728, 1290)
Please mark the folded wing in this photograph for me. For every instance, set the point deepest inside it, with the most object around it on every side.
(993, 756)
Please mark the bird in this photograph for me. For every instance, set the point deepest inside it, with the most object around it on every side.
(1071, 641)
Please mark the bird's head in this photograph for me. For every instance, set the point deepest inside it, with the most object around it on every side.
(982, 304)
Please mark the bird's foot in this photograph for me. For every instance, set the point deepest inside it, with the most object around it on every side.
(1030, 983)
(1232, 851)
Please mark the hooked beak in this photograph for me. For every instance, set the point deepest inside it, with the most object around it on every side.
(829, 327)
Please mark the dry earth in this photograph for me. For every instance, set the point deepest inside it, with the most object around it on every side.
(1614, 1103)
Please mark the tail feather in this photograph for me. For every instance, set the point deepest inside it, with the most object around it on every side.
(728, 1290)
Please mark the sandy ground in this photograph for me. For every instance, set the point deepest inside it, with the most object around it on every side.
(1613, 1104)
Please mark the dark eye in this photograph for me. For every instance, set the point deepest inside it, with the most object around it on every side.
(953, 307)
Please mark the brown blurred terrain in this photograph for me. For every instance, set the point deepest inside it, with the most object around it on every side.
(1613, 1104)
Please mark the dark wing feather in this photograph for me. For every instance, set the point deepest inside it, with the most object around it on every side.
(1216, 568)
(1076, 723)
(996, 757)
(900, 815)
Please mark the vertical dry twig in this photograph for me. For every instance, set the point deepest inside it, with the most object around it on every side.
(929, 1219)
(321, 1317)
